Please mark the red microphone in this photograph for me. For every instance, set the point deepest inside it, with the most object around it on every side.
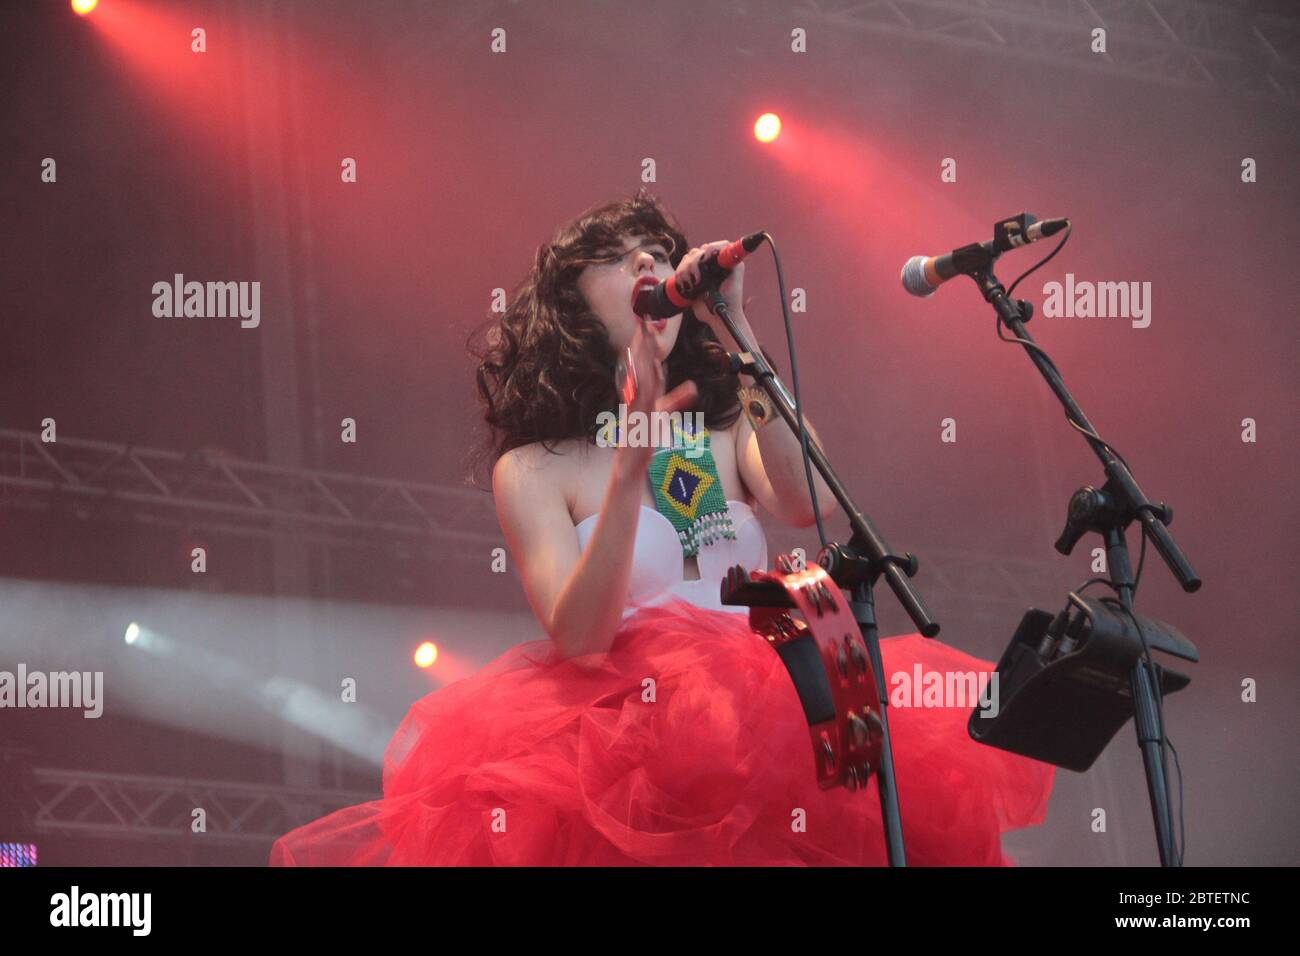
(670, 297)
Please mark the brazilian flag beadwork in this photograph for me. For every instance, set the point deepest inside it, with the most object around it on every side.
(688, 491)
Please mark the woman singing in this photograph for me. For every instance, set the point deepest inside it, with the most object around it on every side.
(651, 726)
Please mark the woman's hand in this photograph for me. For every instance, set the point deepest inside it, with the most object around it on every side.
(649, 397)
(688, 280)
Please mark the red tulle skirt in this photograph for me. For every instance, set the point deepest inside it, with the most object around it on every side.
(684, 745)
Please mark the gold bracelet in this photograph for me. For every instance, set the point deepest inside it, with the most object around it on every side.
(756, 405)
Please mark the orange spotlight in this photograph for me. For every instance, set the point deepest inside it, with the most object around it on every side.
(767, 127)
(426, 654)
(84, 6)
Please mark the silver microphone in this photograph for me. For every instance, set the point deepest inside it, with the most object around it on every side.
(922, 275)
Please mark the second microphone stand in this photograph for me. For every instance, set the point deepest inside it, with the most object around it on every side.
(1125, 503)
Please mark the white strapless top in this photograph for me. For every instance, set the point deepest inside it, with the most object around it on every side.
(658, 563)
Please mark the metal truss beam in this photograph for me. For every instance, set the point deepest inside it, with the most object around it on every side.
(1239, 48)
(74, 802)
(215, 491)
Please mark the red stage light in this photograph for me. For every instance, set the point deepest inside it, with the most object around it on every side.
(767, 127)
(84, 6)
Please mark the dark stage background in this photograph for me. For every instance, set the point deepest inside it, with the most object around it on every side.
(225, 166)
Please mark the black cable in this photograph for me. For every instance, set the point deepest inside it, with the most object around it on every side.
(1182, 832)
(1034, 346)
(1158, 690)
(794, 380)
(1026, 343)
(1164, 738)
(1091, 581)
(1142, 558)
(1160, 706)
(1042, 262)
(1020, 278)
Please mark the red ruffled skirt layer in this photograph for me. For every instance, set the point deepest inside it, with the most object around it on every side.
(685, 745)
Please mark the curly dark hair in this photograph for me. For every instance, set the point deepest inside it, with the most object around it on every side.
(546, 365)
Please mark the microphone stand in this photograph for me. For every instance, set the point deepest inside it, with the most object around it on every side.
(1125, 501)
(854, 567)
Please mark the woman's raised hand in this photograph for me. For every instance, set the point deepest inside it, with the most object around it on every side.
(644, 392)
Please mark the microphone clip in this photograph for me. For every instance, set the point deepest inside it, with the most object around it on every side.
(742, 363)
(1012, 232)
